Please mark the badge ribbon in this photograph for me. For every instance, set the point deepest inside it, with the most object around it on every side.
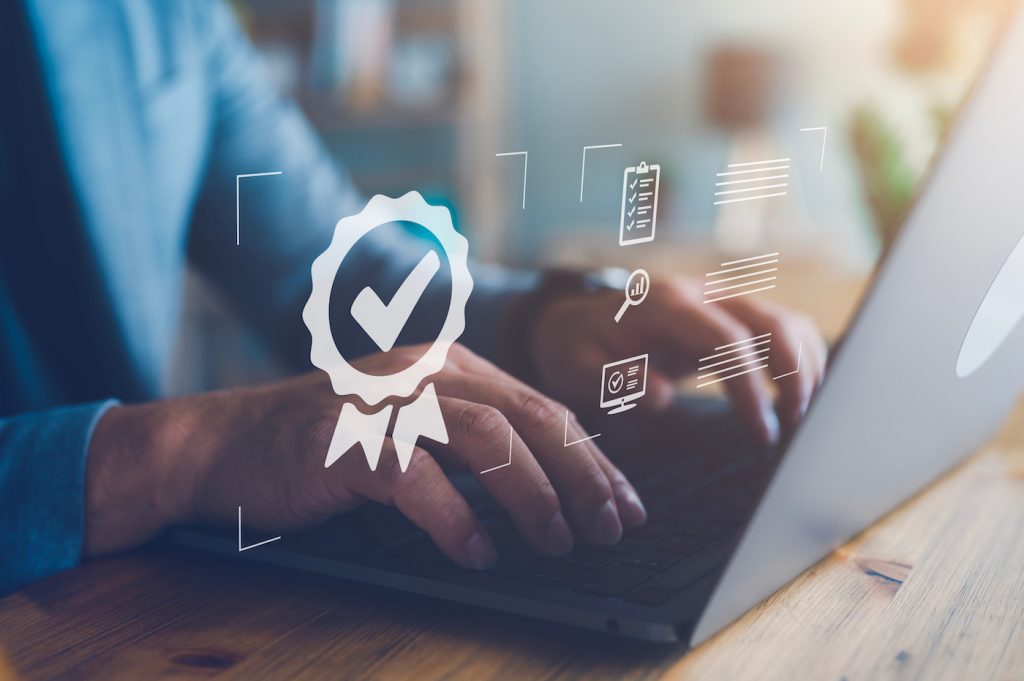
(423, 415)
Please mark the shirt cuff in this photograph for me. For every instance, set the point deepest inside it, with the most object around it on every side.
(42, 490)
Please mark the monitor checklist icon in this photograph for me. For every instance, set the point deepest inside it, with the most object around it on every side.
(622, 383)
(639, 214)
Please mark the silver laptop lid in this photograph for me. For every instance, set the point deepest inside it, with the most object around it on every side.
(917, 383)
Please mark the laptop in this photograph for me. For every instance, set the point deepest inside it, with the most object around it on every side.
(927, 371)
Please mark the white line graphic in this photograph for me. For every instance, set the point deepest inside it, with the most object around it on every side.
(758, 163)
(741, 277)
(250, 546)
(799, 357)
(509, 463)
(728, 360)
(752, 170)
(736, 286)
(726, 378)
(751, 179)
(565, 438)
(741, 293)
(750, 198)
(743, 342)
(750, 259)
(526, 161)
(751, 189)
(740, 358)
(583, 168)
(759, 174)
(238, 221)
(746, 275)
(824, 140)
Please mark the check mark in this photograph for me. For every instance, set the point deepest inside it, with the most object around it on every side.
(632, 198)
(615, 382)
(383, 322)
(631, 211)
(630, 225)
(633, 185)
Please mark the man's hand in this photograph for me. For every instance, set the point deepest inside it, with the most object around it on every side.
(574, 336)
(199, 458)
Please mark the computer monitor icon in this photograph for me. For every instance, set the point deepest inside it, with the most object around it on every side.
(622, 383)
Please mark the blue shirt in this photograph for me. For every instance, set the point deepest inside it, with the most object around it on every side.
(135, 118)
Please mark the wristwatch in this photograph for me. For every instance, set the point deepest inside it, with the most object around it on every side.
(555, 283)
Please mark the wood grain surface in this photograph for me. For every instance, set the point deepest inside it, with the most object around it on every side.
(933, 591)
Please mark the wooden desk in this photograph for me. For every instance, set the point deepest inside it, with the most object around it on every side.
(935, 590)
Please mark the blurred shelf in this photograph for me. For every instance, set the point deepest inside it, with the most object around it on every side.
(329, 115)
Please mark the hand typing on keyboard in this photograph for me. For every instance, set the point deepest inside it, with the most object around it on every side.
(573, 338)
(198, 458)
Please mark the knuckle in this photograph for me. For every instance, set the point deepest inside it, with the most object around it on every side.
(570, 414)
(545, 502)
(732, 334)
(684, 291)
(482, 421)
(539, 411)
(458, 351)
(807, 321)
(320, 433)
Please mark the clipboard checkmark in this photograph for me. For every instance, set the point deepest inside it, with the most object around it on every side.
(384, 322)
(638, 213)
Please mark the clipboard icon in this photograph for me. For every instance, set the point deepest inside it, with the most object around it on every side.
(639, 214)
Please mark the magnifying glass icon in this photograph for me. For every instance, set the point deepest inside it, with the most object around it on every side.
(637, 287)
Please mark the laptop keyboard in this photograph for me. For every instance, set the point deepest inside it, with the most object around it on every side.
(694, 507)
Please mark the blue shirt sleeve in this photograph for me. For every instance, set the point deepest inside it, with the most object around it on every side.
(289, 218)
(42, 490)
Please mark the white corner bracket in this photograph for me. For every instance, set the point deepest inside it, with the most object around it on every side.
(238, 220)
(526, 163)
(250, 546)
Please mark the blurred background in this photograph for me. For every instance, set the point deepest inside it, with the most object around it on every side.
(422, 94)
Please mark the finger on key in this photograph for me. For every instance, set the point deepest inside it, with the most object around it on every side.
(482, 439)
(424, 495)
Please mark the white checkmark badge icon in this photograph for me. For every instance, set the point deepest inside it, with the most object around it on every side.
(384, 322)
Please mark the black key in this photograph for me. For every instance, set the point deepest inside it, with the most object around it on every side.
(416, 552)
(590, 556)
(627, 545)
(685, 574)
(511, 563)
(648, 531)
(559, 571)
(711, 529)
(648, 596)
(682, 543)
(652, 559)
(614, 580)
